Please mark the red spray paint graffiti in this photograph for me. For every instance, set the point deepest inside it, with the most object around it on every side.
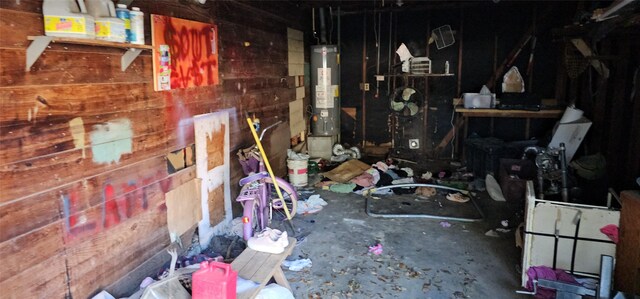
(113, 209)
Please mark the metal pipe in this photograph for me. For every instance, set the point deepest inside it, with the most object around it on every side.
(364, 79)
(313, 25)
(269, 127)
(563, 165)
(339, 70)
(495, 53)
(370, 191)
(606, 269)
(540, 182)
(389, 55)
(460, 41)
(425, 108)
(378, 39)
(323, 27)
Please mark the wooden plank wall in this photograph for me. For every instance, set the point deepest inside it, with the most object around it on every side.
(612, 106)
(81, 207)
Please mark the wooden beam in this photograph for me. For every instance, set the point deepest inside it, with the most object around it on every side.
(616, 142)
(599, 111)
(518, 48)
(561, 76)
(586, 51)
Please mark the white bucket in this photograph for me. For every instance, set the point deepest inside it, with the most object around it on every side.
(298, 172)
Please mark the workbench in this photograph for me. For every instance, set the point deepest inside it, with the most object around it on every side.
(466, 113)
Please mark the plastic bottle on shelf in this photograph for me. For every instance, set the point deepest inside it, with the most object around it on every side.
(137, 26)
(123, 13)
(108, 26)
(67, 19)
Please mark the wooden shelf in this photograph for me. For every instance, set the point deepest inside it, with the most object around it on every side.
(550, 113)
(92, 42)
(40, 43)
(420, 75)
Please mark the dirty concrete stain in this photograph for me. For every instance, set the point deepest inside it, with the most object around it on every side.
(76, 126)
(109, 141)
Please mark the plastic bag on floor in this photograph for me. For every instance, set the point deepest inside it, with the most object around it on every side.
(297, 265)
(312, 205)
(244, 285)
(274, 291)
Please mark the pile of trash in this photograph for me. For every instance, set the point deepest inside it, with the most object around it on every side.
(354, 176)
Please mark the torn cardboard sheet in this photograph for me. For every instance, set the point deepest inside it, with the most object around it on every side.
(183, 208)
(346, 171)
(296, 117)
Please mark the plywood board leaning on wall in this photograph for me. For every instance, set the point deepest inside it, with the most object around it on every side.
(183, 208)
(212, 167)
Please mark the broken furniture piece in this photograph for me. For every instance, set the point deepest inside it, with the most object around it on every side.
(169, 287)
(565, 235)
(260, 267)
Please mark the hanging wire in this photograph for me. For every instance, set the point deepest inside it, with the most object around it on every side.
(313, 25)
(375, 31)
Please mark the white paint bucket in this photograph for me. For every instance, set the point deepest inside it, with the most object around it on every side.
(298, 172)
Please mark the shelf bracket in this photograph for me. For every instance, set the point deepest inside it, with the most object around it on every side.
(128, 57)
(35, 49)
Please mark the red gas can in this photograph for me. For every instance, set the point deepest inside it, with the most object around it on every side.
(214, 281)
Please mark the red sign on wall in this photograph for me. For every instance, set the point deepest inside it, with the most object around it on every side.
(185, 53)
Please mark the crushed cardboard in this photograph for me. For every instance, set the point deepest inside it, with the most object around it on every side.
(346, 171)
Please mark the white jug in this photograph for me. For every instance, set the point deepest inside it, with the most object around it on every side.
(64, 18)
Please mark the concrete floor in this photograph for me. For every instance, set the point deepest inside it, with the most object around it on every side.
(421, 259)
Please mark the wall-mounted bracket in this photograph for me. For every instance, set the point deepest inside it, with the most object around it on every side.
(35, 49)
(128, 57)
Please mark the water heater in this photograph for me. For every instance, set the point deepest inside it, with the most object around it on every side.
(325, 90)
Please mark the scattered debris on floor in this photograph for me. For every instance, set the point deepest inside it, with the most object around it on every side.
(457, 197)
(376, 249)
(312, 205)
(297, 265)
(445, 224)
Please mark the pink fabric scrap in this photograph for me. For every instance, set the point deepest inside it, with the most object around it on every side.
(544, 272)
(377, 250)
(376, 175)
(382, 166)
(611, 230)
(364, 180)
